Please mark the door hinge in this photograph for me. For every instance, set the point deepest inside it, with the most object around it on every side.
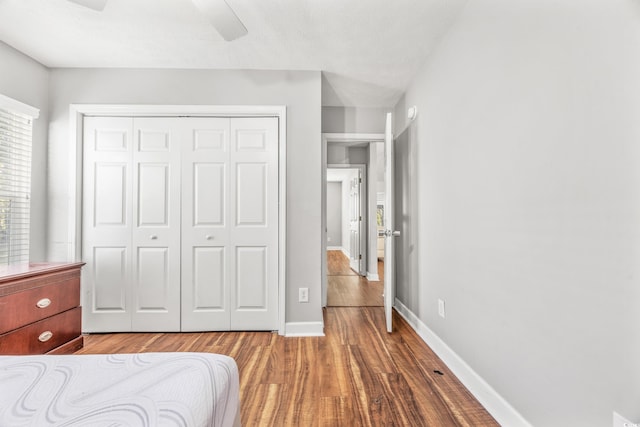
(360, 218)
(360, 256)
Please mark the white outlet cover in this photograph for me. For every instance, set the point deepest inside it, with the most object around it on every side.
(441, 311)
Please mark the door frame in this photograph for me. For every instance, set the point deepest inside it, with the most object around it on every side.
(326, 139)
(76, 115)
(364, 207)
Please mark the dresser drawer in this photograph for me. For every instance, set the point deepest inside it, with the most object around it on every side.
(44, 335)
(31, 305)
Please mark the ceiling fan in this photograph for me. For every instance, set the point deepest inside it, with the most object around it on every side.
(219, 13)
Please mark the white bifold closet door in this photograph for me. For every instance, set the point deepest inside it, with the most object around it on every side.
(180, 224)
(230, 225)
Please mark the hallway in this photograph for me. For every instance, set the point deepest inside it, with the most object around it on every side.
(345, 288)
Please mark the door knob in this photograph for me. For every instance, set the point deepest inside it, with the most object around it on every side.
(390, 233)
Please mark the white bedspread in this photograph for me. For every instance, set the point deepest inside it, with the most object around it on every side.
(147, 389)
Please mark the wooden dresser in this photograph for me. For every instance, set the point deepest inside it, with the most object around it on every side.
(40, 308)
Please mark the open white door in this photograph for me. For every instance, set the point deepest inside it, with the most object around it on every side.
(389, 224)
(355, 223)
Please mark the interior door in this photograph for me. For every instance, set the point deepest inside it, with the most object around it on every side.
(131, 225)
(355, 222)
(205, 237)
(106, 224)
(230, 224)
(389, 225)
(253, 226)
(156, 224)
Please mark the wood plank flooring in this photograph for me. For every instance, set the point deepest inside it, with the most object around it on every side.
(357, 375)
(345, 288)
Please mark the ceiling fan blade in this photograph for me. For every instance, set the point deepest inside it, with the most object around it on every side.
(223, 18)
(92, 4)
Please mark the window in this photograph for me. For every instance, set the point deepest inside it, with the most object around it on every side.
(15, 179)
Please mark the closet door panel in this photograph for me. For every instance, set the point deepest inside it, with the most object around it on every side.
(253, 232)
(205, 236)
(251, 278)
(156, 231)
(107, 224)
(209, 198)
(109, 279)
(209, 279)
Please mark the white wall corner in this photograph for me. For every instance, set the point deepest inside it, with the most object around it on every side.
(495, 404)
(373, 277)
(304, 329)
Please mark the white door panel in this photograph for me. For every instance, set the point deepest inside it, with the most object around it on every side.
(110, 194)
(110, 283)
(205, 238)
(107, 222)
(156, 232)
(389, 224)
(131, 228)
(209, 278)
(254, 232)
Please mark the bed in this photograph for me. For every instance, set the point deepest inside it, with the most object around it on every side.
(146, 389)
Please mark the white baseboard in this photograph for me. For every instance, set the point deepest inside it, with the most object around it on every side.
(345, 252)
(334, 248)
(304, 329)
(495, 404)
(373, 277)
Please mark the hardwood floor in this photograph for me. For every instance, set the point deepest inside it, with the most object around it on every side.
(357, 375)
(345, 288)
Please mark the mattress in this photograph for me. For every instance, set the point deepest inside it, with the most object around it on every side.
(146, 389)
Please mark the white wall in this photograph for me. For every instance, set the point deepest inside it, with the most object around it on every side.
(528, 147)
(298, 90)
(27, 81)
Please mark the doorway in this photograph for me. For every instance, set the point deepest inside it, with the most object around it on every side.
(346, 284)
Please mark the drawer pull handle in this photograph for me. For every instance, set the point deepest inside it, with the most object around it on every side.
(208, 237)
(153, 237)
(45, 336)
(43, 303)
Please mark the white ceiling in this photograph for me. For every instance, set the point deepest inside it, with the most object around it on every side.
(368, 50)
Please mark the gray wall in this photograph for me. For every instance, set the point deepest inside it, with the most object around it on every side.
(27, 81)
(353, 120)
(298, 90)
(527, 142)
(334, 214)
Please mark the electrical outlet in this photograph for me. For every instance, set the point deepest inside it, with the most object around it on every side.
(303, 294)
(441, 308)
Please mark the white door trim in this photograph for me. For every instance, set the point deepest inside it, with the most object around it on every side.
(78, 111)
(327, 138)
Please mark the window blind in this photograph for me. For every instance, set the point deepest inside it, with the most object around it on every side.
(15, 185)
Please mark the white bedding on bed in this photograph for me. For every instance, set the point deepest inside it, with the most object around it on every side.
(146, 389)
